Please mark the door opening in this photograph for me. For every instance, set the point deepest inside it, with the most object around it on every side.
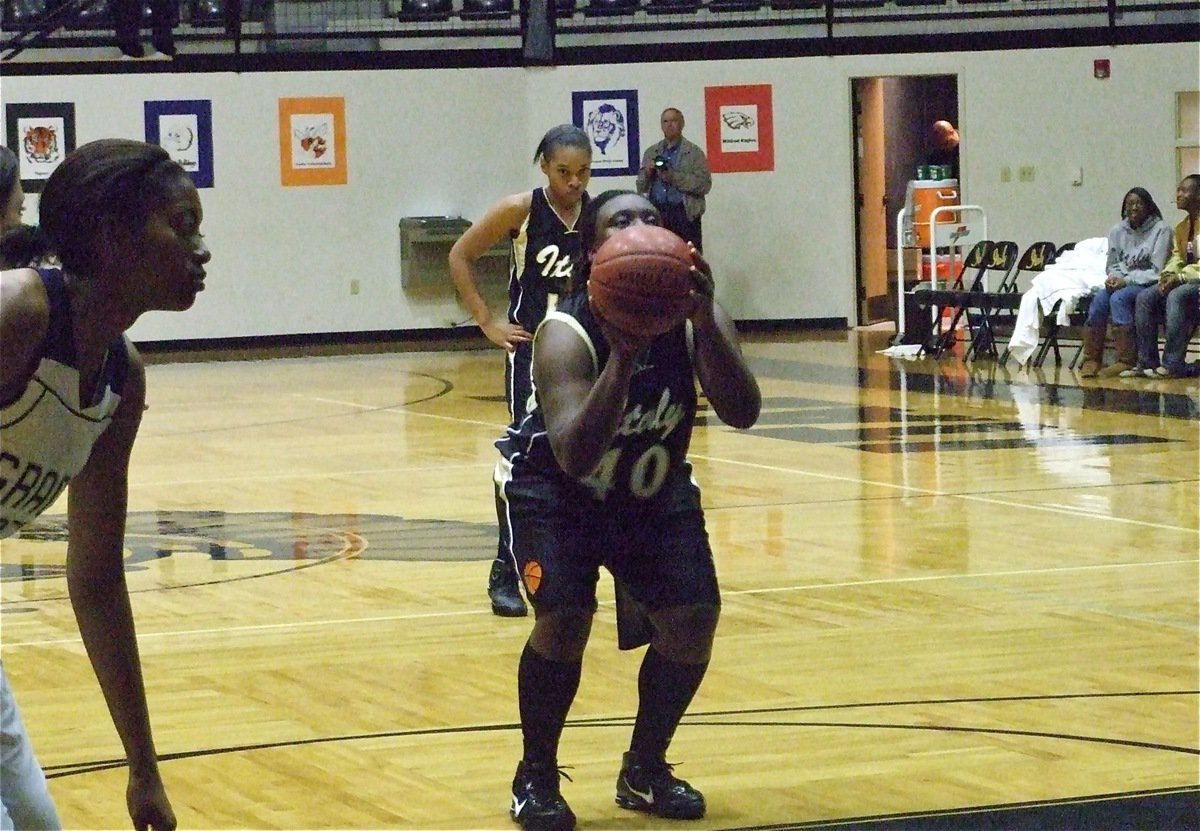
(893, 117)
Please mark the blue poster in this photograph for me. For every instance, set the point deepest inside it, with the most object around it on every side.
(184, 130)
(610, 118)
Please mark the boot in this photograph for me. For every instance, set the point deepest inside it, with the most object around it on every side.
(1093, 351)
(1125, 342)
(503, 591)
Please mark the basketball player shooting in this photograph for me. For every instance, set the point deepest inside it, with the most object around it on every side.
(599, 477)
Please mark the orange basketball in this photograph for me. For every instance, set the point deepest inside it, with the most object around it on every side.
(641, 280)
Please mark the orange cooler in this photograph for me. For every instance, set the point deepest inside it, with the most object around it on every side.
(927, 196)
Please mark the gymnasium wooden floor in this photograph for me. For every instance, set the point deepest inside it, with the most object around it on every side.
(955, 596)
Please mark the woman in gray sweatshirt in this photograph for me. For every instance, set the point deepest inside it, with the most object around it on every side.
(1138, 247)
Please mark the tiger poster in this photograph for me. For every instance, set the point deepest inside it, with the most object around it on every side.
(42, 135)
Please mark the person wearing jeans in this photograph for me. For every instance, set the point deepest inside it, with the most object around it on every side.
(1138, 246)
(1176, 295)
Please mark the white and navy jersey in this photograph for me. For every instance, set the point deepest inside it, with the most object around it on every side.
(47, 433)
(544, 252)
(650, 448)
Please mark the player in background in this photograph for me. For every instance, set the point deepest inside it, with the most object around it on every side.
(124, 221)
(598, 475)
(545, 246)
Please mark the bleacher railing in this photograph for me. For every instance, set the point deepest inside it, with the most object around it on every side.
(213, 27)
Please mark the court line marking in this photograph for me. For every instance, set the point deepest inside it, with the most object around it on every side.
(711, 459)
(987, 500)
(608, 722)
(828, 476)
(924, 578)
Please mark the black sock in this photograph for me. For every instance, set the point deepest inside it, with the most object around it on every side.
(545, 690)
(665, 689)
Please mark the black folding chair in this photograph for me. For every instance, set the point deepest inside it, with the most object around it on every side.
(976, 302)
(951, 296)
(1004, 313)
(979, 303)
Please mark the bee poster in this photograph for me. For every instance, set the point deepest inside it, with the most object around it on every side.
(184, 130)
(41, 135)
(739, 128)
(312, 141)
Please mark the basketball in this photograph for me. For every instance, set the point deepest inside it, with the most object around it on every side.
(641, 280)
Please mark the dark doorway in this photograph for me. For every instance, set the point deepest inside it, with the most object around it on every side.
(892, 120)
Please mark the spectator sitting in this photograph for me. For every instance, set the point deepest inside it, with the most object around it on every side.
(1174, 297)
(1138, 246)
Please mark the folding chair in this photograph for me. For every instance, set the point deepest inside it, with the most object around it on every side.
(1002, 260)
(1035, 258)
(951, 297)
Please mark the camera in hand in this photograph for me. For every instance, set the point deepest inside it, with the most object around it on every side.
(662, 162)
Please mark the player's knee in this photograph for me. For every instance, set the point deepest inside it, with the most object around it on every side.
(685, 633)
(561, 634)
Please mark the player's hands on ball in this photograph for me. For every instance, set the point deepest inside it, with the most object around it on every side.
(623, 345)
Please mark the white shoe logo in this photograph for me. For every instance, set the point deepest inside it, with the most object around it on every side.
(647, 797)
(518, 806)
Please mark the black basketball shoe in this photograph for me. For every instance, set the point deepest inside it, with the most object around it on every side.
(537, 803)
(650, 787)
(504, 592)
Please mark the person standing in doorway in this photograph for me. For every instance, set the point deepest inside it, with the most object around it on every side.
(545, 247)
(675, 175)
(943, 148)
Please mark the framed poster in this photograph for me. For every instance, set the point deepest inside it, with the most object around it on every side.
(610, 118)
(739, 128)
(41, 135)
(312, 141)
(184, 130)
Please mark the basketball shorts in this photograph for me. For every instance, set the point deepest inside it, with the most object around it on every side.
(561, 537)
(518, 382)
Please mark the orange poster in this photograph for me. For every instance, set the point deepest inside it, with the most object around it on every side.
(312, 141)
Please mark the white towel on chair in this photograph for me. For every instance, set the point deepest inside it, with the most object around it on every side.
(1075, 274)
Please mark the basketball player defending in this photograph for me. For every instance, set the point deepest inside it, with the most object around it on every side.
(545, 246)
(597, 475)
(124, 221)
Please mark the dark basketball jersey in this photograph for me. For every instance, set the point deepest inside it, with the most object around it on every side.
(650, 448)
(47, 433)
(544, 254)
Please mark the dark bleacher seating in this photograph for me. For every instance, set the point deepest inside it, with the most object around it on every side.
(98, 15)
(486, 9)
(672, 6)
(607, 8)
(425, 10)
(793, 5)
(735, 5)
(207, 12)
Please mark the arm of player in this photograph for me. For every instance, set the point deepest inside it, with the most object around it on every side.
(727, 381)
(582, 410)
(96, 504)
(24, 316)
(500, 221)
